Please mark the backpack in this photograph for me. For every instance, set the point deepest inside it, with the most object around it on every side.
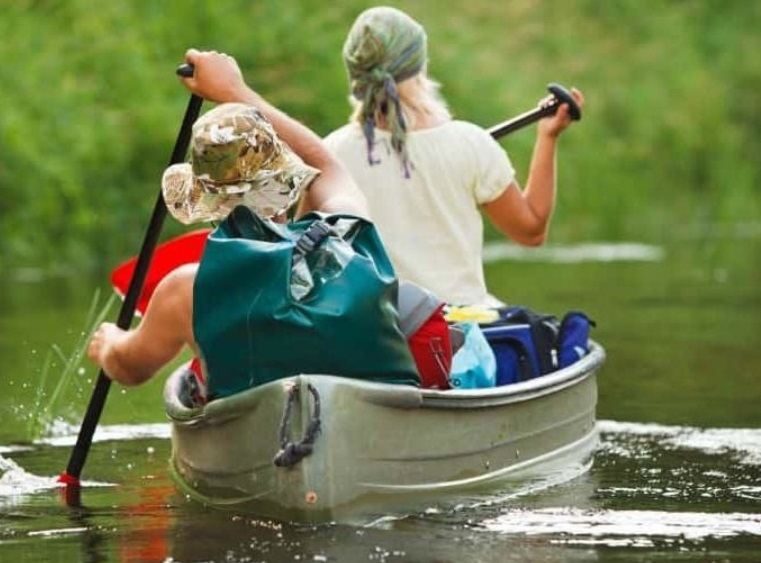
(523, 342)
(431, 339)
(421, 319)
(318, 295)
(573, 337)
(529, 344)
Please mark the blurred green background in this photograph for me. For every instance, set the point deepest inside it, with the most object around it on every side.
(668, 144)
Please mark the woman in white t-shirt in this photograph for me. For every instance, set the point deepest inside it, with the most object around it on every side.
(426, 175)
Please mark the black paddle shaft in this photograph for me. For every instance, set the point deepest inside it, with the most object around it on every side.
(127, 312)
(561, 96)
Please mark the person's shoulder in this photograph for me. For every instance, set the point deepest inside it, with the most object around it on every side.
(466, 133)
(468, 129)
(465, 125)
(344, 132)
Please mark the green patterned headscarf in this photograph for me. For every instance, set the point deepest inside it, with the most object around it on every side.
(384, 46)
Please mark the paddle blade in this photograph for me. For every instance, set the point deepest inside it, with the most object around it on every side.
(184, 249)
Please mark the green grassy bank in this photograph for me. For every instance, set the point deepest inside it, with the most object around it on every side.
(668, 143)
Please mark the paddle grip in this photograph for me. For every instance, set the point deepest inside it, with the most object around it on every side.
(561, 96)
(186, 70)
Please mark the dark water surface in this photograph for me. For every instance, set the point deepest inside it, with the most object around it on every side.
(677, 475)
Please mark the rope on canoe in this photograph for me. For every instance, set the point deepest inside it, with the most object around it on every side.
(293, 452)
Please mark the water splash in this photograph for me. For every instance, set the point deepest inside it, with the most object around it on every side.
(14, 475)
(44, 405)
(16, 482)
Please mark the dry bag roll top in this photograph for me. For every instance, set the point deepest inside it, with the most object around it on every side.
(318, 295)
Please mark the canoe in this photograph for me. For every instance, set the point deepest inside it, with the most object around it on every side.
(370, 449)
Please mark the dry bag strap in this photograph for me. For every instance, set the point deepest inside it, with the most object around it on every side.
(311, 239)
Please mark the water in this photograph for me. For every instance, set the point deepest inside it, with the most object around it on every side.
(676, 477)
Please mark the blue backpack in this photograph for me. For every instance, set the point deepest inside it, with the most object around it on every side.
(528, 344)
(573, 337)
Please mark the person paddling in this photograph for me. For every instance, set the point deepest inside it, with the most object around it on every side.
(428, 176)
(244, 153)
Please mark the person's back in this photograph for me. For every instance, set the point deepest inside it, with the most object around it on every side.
(426, 177)
(429, 221)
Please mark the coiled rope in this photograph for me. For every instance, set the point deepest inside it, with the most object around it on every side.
(293, 452)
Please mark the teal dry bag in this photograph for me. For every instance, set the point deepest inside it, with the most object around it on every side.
(314, 296)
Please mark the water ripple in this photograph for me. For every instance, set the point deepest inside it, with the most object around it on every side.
(623, 527)
(745, 443)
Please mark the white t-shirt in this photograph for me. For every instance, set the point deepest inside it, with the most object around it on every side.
(430, 223)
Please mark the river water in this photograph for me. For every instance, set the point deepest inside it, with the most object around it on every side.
(676, 476)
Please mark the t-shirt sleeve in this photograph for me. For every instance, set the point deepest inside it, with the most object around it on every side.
(495, 171)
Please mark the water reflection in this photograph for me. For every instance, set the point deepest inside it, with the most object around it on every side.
(677, 474)
(651, 487)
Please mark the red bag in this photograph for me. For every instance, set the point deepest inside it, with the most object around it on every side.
(422, 321)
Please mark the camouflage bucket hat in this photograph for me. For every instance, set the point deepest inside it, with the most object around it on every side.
(236, 159)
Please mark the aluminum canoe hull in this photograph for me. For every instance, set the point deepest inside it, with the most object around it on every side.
(381, 448)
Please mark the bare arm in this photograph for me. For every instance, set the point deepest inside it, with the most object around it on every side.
(218, 78)
(525, 215)
(133, 357)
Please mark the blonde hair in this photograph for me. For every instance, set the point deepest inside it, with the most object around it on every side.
(385, 50)
(418, 95)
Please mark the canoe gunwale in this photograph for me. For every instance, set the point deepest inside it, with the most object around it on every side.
(516, 392)
(389, 395)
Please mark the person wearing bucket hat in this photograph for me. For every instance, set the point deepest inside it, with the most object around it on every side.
(236, 159)
(428, 176)
(246, 152)
(309, 173)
